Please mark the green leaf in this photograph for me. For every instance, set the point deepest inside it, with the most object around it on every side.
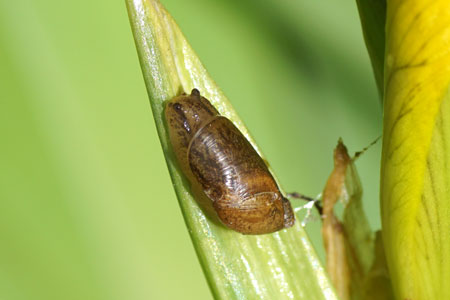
(373, 19)
(282, 265)
(360, 236)
(377, 283)
(370, 278)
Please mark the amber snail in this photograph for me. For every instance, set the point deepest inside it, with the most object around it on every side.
(212, 152)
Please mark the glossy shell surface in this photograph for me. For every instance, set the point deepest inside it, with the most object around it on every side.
(213, 153)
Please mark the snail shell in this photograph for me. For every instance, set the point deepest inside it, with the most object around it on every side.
(212, 152)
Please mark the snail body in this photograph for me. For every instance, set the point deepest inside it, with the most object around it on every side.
(212, 152)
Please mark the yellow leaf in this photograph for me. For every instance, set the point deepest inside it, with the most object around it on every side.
(415, 188)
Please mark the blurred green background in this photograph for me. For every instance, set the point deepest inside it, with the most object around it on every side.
(87, 210)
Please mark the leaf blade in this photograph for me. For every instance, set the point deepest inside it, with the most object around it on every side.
(236, 266)
(373, 20)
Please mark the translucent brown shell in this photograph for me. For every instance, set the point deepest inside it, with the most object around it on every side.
(213, 153)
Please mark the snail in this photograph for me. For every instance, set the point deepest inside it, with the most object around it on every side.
(214, 154)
